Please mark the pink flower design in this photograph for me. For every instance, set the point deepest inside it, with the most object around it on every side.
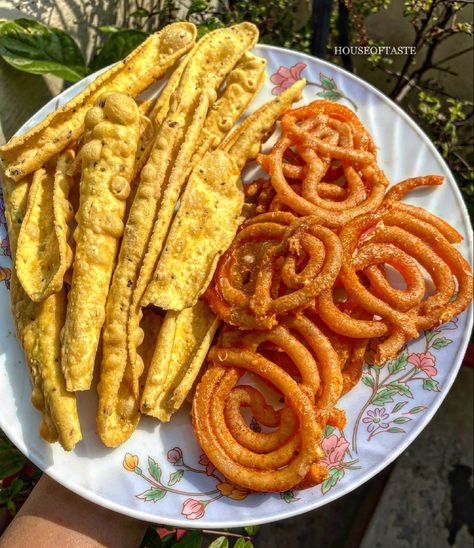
(424, 361)
(335, 448)
(285, 77)
(175, 456)
(193, 509)
(210, 468)
(376, 419)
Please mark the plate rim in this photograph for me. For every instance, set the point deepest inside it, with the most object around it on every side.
(408, 439)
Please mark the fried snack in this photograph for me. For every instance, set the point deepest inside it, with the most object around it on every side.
(145, 144)
(243, 84)
(172, 153)
(118, 413)
(111, 138)
(277, 264)
(405, 242)
(162, 105)
(331, 144)
(43, 254)
(182, 345)
(202, 229)
(147, 63)
(38, 328)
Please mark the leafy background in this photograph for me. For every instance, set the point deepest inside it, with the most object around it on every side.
(431, 86)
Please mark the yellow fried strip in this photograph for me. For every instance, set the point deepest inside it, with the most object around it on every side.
(110, 143)
(243, 84)
(182, 345)
(38, 328)
(202, 230)
(148, 62)
(162, 105)
(244, 143)
(43, 254)
(145, 144)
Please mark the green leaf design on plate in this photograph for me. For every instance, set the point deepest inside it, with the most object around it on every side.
(417, 409)
(399, 405)
(152, 495)
(384, 396)
(368, 380)
(288, 496)
(431, 385)
(396, 431)
(38, 49)
(327, 82)
(401, 420)
(331, 95)
(154, 469)
(399, 363)
(441, 342)
(335, 474)
(175, 477)
(119, 44)
(401, 388)
(329, 430)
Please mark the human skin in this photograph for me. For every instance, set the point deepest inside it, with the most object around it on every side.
(54, 516)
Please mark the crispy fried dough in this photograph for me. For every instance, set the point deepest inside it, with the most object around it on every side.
(148, 62)
(110, 143)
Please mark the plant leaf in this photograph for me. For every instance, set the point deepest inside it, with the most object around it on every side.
(175, 477)
(154, 469)
(140, 12)
(330, 94)
(152, 495)
(198, 6)
(243, 543)
(431, 385)
(399, 363)
(221, 542)
(118, 45)
(11, 460)
(441, 342)
(252, 530)
(417, 409)
(38, 49)
(190, 540)
(396, 430)
(401, 388)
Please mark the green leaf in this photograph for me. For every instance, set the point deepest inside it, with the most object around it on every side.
(140, 12)
(243, 543)
(38, 49)
(329, 430)
(330, 94)
(368, 380)
(327, 82)
(396, 430)
(151, 538)
(175, 477)
(211, 23)
(118, 45)
(417, 409)
(335, 474)
(401, 420)
(220, 542)
(431, 385)
(401, 388)
(399, 363)
(190, 540)
(152, 495)
(252, 530)
(384, 396)
(441, 342)
(288, 496)
(11, 460)
(109, 28)
(154, 469)
(399, 405)
(198, 6)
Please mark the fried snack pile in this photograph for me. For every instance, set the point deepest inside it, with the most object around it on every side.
(307, 286)
(121, 168)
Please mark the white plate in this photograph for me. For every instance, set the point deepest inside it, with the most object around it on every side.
(382, 422)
